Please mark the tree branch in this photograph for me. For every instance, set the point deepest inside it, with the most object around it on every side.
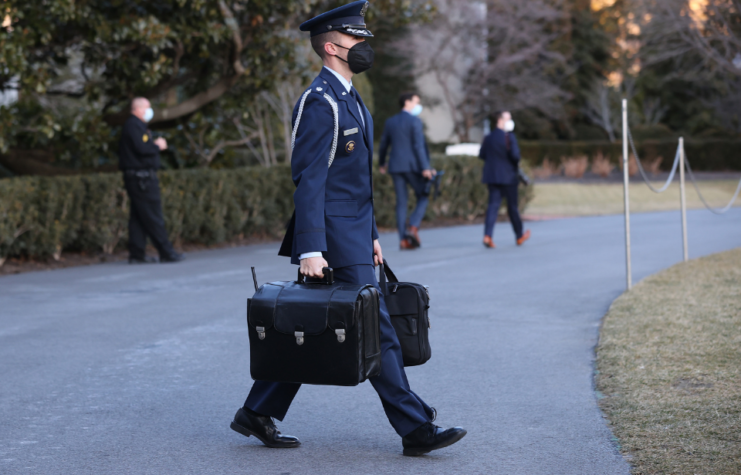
(222, 85)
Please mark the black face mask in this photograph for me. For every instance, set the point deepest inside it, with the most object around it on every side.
(359, 57)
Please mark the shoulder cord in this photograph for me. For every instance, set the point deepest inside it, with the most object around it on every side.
(335, 113)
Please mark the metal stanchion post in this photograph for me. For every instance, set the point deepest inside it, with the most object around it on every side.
(682, 198)
(625, 194)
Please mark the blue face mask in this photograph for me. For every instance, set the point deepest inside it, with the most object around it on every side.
(148, 114)
(416, 110)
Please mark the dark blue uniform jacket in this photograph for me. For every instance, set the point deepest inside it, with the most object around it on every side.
(137, 150)
(334, 204)
(500, 163)
(405, 135)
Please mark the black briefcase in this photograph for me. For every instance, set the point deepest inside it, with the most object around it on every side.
(408, 304)
(314, 332)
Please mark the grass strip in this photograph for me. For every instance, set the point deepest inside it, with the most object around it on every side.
(669, 369)
(591, 199)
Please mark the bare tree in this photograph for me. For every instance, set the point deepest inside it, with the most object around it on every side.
(710, 28)
(491, 54)
(600, 108)
(523, 69)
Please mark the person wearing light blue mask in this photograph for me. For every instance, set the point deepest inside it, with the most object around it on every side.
(139, 160)
(409, 165)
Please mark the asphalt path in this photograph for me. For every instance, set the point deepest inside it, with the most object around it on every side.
(125, 369)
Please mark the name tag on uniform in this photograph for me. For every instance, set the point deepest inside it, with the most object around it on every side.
(350, 131)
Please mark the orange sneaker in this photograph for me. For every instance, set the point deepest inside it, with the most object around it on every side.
(524, 238)
(404, 244)
(489, 243)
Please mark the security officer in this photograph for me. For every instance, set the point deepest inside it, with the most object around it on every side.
(409, 165)
(501, 156)
(334, 226)
(139, 160)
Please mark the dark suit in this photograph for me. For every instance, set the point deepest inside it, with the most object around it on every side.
(139, 159)
(405, 135)
(501, 156)
(334, 214)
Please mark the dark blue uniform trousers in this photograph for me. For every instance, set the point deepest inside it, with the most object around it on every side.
(509, 192)
(418, 184)
(405, 410)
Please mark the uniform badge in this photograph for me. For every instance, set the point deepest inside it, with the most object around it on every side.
(145, 139)
(350, 146)
(364, 9)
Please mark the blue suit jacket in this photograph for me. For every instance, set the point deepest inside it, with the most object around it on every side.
(405, 135)
(334, 204)
(500, 164)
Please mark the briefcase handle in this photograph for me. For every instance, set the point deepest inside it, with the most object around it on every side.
(328, 278)
(386, 272)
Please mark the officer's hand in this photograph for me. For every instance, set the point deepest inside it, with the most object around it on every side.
(378, 253)
(161, 143)
(312, 266)
(428, 174)
(382, 170)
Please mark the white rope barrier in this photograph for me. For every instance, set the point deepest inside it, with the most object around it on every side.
(643, 173)
(702, 198)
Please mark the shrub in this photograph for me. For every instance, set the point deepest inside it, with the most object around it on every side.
(601, 165)
(574, 167)
(41, 216)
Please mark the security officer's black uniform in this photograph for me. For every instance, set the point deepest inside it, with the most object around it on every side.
(139, 160)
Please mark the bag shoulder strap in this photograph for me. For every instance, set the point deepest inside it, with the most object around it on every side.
(336, 117)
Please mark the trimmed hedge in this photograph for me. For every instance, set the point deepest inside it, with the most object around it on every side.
(707, 155)
(42, 216)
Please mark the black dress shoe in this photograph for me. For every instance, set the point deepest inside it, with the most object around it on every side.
(175, 257)
(249, 423)
(142, 260)
(430, 437)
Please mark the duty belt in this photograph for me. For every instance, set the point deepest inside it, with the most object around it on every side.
(141, 173)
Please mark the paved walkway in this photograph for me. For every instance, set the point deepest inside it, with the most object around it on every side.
(137, 370)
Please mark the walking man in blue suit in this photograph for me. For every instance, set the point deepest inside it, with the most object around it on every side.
(333, 226)
(409, 165)
(501, 156)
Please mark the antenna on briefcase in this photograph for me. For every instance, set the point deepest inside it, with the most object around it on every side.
(254, 278)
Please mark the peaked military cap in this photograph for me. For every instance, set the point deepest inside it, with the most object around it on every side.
(348, 19)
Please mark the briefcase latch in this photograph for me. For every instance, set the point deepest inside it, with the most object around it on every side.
(340, 334)
(299, 338)
(260, 332)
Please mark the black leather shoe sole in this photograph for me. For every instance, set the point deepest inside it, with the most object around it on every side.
(417, 451)
(246, 432)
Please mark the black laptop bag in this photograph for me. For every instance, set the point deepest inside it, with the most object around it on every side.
(407, 304)
(314, 332)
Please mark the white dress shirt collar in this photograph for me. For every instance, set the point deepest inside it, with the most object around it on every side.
(348, 85)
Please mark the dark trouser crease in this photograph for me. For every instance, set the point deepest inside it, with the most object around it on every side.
(146, 219)
(496, 193)
(417, 182)
(405, 410)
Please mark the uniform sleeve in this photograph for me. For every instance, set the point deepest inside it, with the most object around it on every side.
(418, 143)
(375, 229)
(309, 165)
(142, 142)
(482, 154)
(514, 153)
(385, 142)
